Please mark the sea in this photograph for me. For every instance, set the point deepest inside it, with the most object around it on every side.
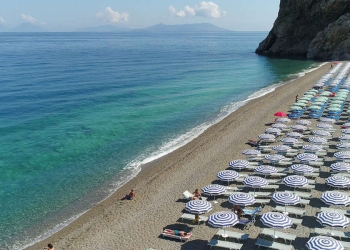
(80, 113)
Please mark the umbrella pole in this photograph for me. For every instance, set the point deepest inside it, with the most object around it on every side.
(214, 200)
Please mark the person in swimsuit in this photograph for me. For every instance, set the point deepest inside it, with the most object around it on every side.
(238, 210)
(176, 232)
(130, 196)
(49, 247)
(196, 195)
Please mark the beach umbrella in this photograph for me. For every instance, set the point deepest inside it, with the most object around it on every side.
(227, 175)
(338, 181)
(299, 127)
(321, 133)
(346, 131)
(342, 155)
(280, 114)
(266, 137)
(289, 141)
(303, 122)
(285, 199)
(343, 145)
(325, 119)
(326, 93)
(255, 182)
(281, 148)
(251, 152)
(273, 131)
(318, 140)
(323, 243)
(239, 164)
(279, 125)
(223, 220)
(276, 220)
(273, 158)
(334, 109)
(294, 135)
(198, 206)
(346, 125)
(324, 125)
(332, 219)
(241, 199)
(295, 108)
(335, 199)
(334, 105)
(340, 167)
(214, 190)
(265, 170)
(301, 168)
(344, 137)
(312, 148)
(295, 181)
(283, 120)
(307, 157)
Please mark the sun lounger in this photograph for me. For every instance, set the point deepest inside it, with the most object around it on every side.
(191, 217)
(182, 238)
(282, 235)
(247, 222)
(340, 234)
(270, 187)
(297, 221)
(312, 175)
(234, 189)
(301, 194)
(233, 235)
(345, 244)
(315, 163)
(291, 210)
(261, 194)
(224, 244)
(284, 163)
(329, 209)
(251, 212)
(262, 201)
(273, 245)
(187, 195)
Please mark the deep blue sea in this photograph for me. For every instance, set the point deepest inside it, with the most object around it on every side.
(80, 112)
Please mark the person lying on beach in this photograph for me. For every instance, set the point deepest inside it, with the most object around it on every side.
(49, 247)
(196, 195)
(175, 232)
(130, 196)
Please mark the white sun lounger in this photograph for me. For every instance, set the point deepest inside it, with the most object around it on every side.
(291, 210)
(182, 238)
(329, 209)
(224, 244)
(282, 235)
(231, 234)
(301, 194)
(340, 234)
(273, 245)
(187, 195)
(187, 216)
(261, 194)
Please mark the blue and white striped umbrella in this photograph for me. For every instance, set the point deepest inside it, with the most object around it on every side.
(294, 135)
(301, 168)
(289, 141)
(223, 219)
(285, 199)
(341, 167)
(323, 243)
(312, 148)
(346, 131)
(342, 155)
(276, 220)
(324, 125)
(281, 148)
(273, 131)
(303, 122)
(332, 219)
(344, 137)
(283, 120)
(299, 127)
(265, 170)
(274, 157)
(318, 140)
(228, 175)
(338, 181)
(214, 190)
(241, 199)
(279, 125)
(198, 206)
(295, 181)
(329, 120)
(307, 157)
(239, 164)
(343, 145)
(335, 198)
(321, 133)
(267, 137)
(346, 125)
(255, 182)
(251, 152)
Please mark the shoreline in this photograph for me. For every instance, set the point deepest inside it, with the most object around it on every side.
(152, 172)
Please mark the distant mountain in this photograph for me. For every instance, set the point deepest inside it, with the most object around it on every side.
(28, 27)
(104, 28)
(195, 27)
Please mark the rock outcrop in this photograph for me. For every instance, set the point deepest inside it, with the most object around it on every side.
(315, 29)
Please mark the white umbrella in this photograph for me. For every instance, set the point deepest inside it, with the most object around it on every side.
(338, 181)
(276, 220)
(340, 167)
(279, 125)
(307, 157)
(335, 199)
(294, 135)
(223, 220)
(299, 127)
(198, 206)
(281, 148)
(301, 168)
(295, 181)
(321, 133)
(324, 125)
(303, 122)
(344, 137)
(251, 152)
(267, 137)
(214, 190)
(318, 140)
(329, 120)
(332, 219)
(346, 131)
(227, 175)
(241, 199)
(286, 199)
(273, 131)
(283, 120)
(273, 158)
(239, 164)
(342, 155)
(343, 145)
(312, 148)
(289, 141)
(323, 243)
(255, 182)
(265, 170)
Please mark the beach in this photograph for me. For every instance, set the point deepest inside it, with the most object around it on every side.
(115, 224)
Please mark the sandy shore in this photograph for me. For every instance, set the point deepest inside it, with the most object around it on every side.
(115, 224)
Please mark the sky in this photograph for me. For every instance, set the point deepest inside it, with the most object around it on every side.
(69, 15)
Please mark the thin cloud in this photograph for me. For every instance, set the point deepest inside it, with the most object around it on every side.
(204, 9)
(28, 18)
(2, 20)
(112, 16)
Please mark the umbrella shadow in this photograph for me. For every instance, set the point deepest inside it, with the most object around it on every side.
(226, 204)
(300, 242)
(194, 244)
(309, 221)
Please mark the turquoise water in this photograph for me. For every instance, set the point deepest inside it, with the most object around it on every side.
(81, 111)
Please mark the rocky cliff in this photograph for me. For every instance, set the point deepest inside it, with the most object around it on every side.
(315, 29)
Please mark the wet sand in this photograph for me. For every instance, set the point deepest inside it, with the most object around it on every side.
(115, 224)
